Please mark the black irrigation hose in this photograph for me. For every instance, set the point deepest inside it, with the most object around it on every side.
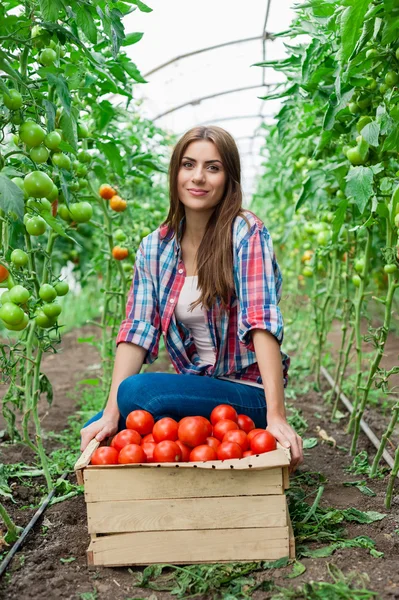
(21, 539)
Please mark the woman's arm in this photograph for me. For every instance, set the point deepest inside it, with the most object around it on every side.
(268, 356)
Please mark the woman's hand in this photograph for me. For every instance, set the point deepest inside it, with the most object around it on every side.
(287, 437)
(104, 427)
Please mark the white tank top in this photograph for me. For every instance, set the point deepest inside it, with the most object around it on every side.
(196, 322)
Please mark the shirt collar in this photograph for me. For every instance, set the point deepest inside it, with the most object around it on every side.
(166, 234)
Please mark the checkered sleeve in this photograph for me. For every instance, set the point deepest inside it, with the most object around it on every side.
(258, 281)
(142, 323)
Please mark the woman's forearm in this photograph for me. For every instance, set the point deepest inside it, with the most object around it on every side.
(267, 350)
(129, 359)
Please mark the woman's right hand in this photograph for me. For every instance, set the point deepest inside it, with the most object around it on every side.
(104, 427)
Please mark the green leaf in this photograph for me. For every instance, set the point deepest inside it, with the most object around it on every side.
(89, 382)
(309, 443)
(140, 5)
(280, 563)
(11, 197)
(392, 140)
(67, 560)
(65, 147)
(352, 19)
(132, 38)
(370, 132)
(50, 9)
(359, 186)
(339, 219)
(51, 111)
(297, 569)
(376, 553)
(56, 226)
(86, 23)
(133, 71)
(111, 151)
(62, 90)
(69, 129)
(353, 514)
(335, 105)
(117, 31)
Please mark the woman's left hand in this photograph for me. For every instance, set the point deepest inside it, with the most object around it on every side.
(288, 438)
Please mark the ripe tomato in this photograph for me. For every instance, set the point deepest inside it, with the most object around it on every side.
(223, 411)
(120, 253)
(81, 212)
(149, 448)
(105, 455)
(222, 427)
(212, 442)
(141, 421)
(202, 453)
(147, 438)
(3, 273)
(125, 437)
(263, 442)
(118, 204)
(245, 423)
(237, 436)
(228, 450)
(106, 191)
(193, 431)
(208, 425)
(185, 451)
(247, 453)
(165, 429)
(253, 433)
(167, 451)
(132, 453)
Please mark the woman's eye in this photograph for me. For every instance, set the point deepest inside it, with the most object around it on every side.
(185, 164)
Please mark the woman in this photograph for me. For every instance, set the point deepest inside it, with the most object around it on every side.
(212, 290)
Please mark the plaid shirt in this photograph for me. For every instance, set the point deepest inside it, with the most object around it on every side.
(159, 276)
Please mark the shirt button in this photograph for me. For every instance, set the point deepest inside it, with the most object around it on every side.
(172, 300)
(180, 270)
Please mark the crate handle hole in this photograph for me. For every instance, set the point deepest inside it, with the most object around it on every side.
(231, 466)
(213, 467)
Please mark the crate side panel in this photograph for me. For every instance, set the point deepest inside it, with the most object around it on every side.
(185, 547)
(190, 513)
(140, 484)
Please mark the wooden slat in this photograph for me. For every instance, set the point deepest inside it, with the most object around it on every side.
(184, 547)
(190, 513)
(286, 478)
(139, 484)
(291, 537)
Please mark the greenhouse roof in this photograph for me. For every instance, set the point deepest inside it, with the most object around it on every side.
(197, 60)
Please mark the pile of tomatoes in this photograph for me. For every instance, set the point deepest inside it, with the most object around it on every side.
(225, 436)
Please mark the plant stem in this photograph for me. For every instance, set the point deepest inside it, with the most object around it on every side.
(392, 478)
(385, 437)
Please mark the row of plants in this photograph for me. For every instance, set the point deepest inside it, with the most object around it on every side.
(331, 178)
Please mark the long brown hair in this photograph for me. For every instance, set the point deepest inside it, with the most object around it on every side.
(215, 253)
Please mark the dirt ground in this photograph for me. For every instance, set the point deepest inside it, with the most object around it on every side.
(52, 564)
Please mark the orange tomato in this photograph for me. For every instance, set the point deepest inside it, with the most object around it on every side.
(3, 273)
(120, 253)
(106, 191)
(117, 204)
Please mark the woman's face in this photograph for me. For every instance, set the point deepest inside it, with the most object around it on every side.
(202, 177)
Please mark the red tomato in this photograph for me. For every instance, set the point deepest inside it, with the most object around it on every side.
(247, 453)
(165, 429)
(212, 442)
(263, 442)
(193, 431)
(253, 433)
(147, 438)
(222, 427)
(223, 411)
(237, 436)
(141, 421)
(229, 450)
(125, 437)
(185, 451)
(245, 423)
(132, 453)
(105, 455)
(202, 453)
(149, 448)
(207, 423)
(167, 451)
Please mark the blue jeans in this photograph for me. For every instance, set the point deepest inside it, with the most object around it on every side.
(178, 396)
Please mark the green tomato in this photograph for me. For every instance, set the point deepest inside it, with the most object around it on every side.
(82, 184)
(19, 258)
(340, 194)
(20, 183)
(396, 219)
(81, 170)
(52, 310)
(391, 78)
(307, 271)
(145, 231)
(359, 265)
(382, 88)
(62, 288)
(64, 213)
(20, 326)
(42, 204)
(323, 238)
(47, 57)
(354, 157)
(81, 212)
(62, 161)
(84, 156)
(43, 321)
(16, 118)
(128, 268)
(54, 193)
(120, 235)
(19, 294)
(363, 102)
(5, 297)
(372, 84)
(74, 186)
(353, 107)
(38, 184)
(82, 129)
(309, 228)
(362, 122)
(312, 163)
(391, 268)
(47, 292)
(12, 100)
(11, 313)
(356, 280)
(31, 134)
(36, 226)
(39, 154)
(52, 140)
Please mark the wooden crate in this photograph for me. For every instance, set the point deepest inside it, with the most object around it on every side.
(232, 510)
